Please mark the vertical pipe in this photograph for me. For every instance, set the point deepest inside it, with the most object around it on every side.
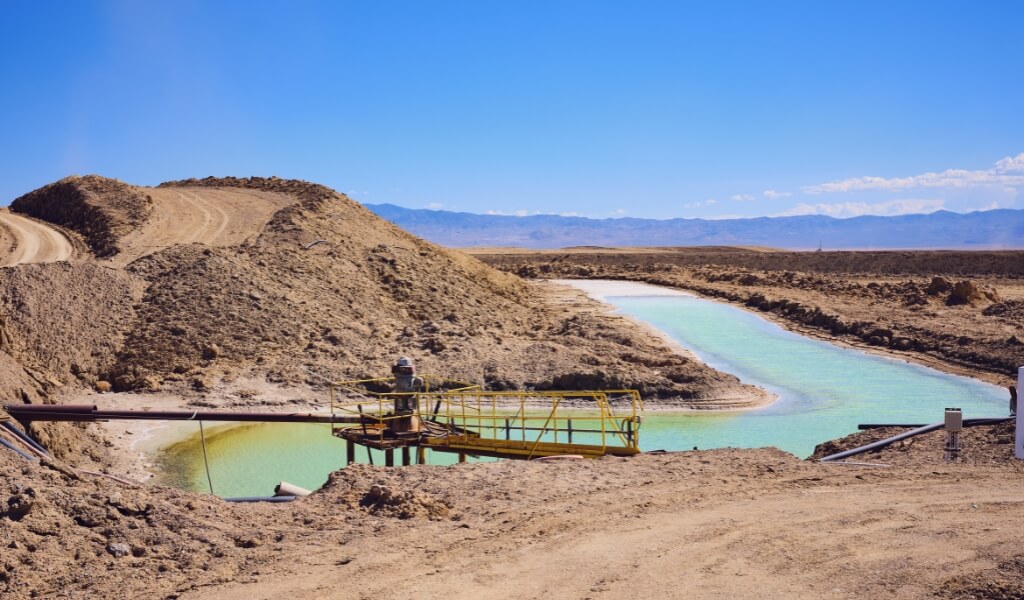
(206, 461)
(569, 424)
(522, 416)
(350, 452)
(954, 425)
(1019, 442)
(508, 431)
(421, 455)
(462, 457)
(405, 456)
(389, 458)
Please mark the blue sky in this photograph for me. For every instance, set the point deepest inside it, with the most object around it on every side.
(642, 109)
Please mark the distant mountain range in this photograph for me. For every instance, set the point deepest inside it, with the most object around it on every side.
(991, 229)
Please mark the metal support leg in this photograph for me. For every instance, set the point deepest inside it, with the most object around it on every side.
(350, 452)
(389, 458)
(405, 456)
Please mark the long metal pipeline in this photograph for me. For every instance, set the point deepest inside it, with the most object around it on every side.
(87, 412)
(261, 499)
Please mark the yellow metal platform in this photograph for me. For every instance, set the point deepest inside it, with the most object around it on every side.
(513, 425)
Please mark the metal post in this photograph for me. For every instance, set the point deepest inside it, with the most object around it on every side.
(350, 452)
(954, 425)
(508, 430)
(405, 456)
(1019, 443)
(569, 426)
(389, 458)
(421, 455)
(462, 457)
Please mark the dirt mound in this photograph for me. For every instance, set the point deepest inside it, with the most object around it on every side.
(939, 285)
(66, 320)
(382, 501)
(100, 209)
(1012, 310)
(967, 292)
(329, 286)
(63, 531)
(1004, 582)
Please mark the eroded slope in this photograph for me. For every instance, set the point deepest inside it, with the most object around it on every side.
(329, 286)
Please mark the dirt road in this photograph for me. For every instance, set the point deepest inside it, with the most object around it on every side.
(216, 217)
(26, 240)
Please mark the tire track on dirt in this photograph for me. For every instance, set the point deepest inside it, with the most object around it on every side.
(27, 240)
(211, 216)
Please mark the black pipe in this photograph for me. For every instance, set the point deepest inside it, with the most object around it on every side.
(24, 437)
(15, 449)
(260, 499)
(883, 443)
(51, 412)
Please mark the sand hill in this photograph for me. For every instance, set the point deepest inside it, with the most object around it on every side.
(196, 282)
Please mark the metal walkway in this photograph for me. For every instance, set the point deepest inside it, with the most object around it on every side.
(514, 425)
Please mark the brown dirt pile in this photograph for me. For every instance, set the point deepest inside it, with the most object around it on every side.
(737, 523)
(329, 286)
(100, 209)
(65, 320)
(972, 330)
(63, 533)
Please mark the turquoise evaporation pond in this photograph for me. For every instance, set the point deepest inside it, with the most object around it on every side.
(824, 392)
(250, 459)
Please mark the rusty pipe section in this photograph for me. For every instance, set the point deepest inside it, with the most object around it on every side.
(87, 412)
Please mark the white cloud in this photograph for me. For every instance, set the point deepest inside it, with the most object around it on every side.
(708, 202)
(1008, 172)
(618, 212)
(772, 194)
(743, 198)
(522, 212)
(1010, 164)
(435, 206)
(857, 209)
(569, 214)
